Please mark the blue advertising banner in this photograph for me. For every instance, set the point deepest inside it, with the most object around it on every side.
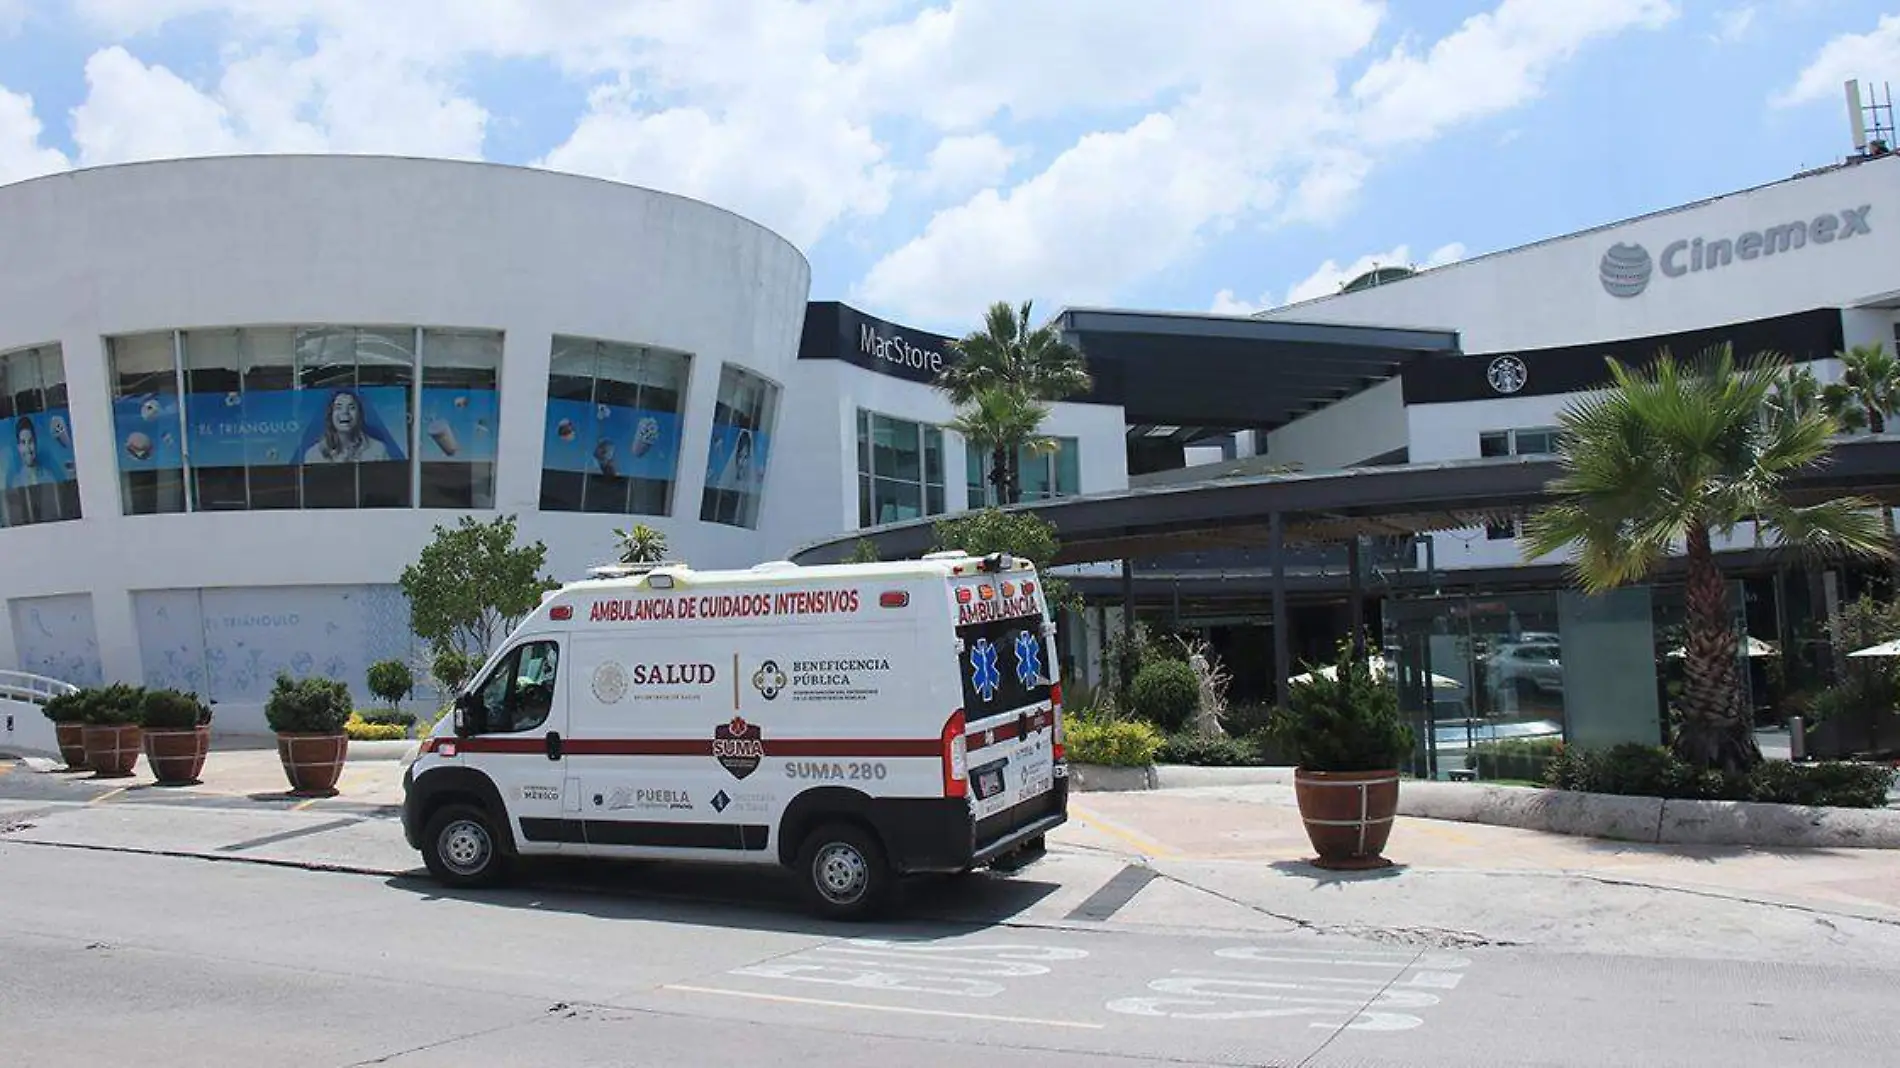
(146, 427)
(737, 459)
(459, 425)
(612, 440)
(39, 449)
(298, 426)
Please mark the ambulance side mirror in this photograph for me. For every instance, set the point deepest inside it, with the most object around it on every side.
(464, 709)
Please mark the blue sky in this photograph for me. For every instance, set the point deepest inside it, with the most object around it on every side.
(931, 157)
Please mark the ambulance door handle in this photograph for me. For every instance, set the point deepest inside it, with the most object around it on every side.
(554, 745)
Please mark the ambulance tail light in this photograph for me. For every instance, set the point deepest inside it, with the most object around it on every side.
(442, 746)
(1055, 714)
(956, 757)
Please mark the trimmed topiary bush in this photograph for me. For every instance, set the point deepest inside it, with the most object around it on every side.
(67, 707)
(1344, 719)
(361, 730)
(451, 668)
(1166, 694)
(117, 705)
(391, 681)
(171, 710)
(308, 706)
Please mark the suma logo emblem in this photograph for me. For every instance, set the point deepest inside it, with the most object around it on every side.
(768, 680)
(1625, 270)
(738, 747)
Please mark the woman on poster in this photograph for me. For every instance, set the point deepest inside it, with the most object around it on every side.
(348, 431)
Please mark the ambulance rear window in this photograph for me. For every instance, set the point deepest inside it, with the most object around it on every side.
(1005, 666)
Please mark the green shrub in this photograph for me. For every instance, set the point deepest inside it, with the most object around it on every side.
(1515, 758)
(1127, 743)
(67, 707)
(1188, 748)
(1348, 721)
(1652, 771)
(391, 680)
(387, 717)
(116, 705)
(172, 710)
(360, 730)
(1166, 693)
(307, 706)
(451, 668)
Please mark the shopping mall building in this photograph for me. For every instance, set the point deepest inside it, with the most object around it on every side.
(240, 392)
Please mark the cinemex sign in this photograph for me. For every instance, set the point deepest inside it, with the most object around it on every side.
(1626, 270)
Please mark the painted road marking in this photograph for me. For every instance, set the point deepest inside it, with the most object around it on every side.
(1385, 1000)
(108, 795)
(937, 969)
(868, 1007)
(7, 766)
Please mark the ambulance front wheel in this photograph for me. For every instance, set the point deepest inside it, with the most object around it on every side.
(460, 848)
(843, 872)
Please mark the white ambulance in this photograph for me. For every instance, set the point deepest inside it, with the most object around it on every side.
(853, 723)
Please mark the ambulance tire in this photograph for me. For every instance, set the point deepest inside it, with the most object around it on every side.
(462, 849)
(843, 873)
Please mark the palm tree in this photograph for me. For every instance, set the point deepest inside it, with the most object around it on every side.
(1006, 422)
(641, 545)
(1008, 354)
(1869, 391)
(1675, 456)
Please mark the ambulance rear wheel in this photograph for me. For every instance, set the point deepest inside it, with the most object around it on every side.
(461, 849)
(843, 872)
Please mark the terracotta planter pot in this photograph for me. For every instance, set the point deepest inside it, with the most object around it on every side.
(111, 752)
(1348, 815)
(72, 744)
(176, 757)
(313, 762)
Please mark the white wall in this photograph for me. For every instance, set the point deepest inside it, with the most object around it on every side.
(831, 393)
(363, 240)
(1358, 428)
(1550, 293)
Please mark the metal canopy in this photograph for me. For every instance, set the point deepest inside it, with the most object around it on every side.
(1332, 507)
(1203, 374)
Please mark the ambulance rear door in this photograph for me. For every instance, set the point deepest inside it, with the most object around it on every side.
(1009, 676)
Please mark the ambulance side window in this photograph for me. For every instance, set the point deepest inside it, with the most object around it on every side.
(520, 693)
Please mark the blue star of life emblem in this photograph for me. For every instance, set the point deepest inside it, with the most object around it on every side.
(1028, 658)
(983, 674)
(720, 801)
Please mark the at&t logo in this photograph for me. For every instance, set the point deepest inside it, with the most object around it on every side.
(1625, 270)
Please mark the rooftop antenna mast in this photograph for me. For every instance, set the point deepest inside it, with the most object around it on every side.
(1870, 118)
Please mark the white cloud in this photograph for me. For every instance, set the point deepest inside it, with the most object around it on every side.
(338, 98)
(1326, 280)
(1250, 120)
(1493, 62)
(961, 164)
(1733, 24)
(1874, 54)
(21, 154)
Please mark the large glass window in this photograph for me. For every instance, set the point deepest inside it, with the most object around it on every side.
(305, 417)
(1040, 475)
(461, 417)
(743, 420)
(40, 482)
(1523, 441)
(147, 422)
(900, 469)
(613, 427)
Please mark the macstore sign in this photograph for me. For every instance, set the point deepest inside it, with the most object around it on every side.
(1626, 270)
(888, 348)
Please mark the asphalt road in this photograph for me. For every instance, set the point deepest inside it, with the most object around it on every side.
(110, 957)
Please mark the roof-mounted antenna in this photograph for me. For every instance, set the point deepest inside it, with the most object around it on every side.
(1870, 118)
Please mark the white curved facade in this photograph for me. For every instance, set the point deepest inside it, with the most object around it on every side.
(298, 241)
(175, 338)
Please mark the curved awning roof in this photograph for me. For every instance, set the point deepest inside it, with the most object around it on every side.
(1331, 507)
